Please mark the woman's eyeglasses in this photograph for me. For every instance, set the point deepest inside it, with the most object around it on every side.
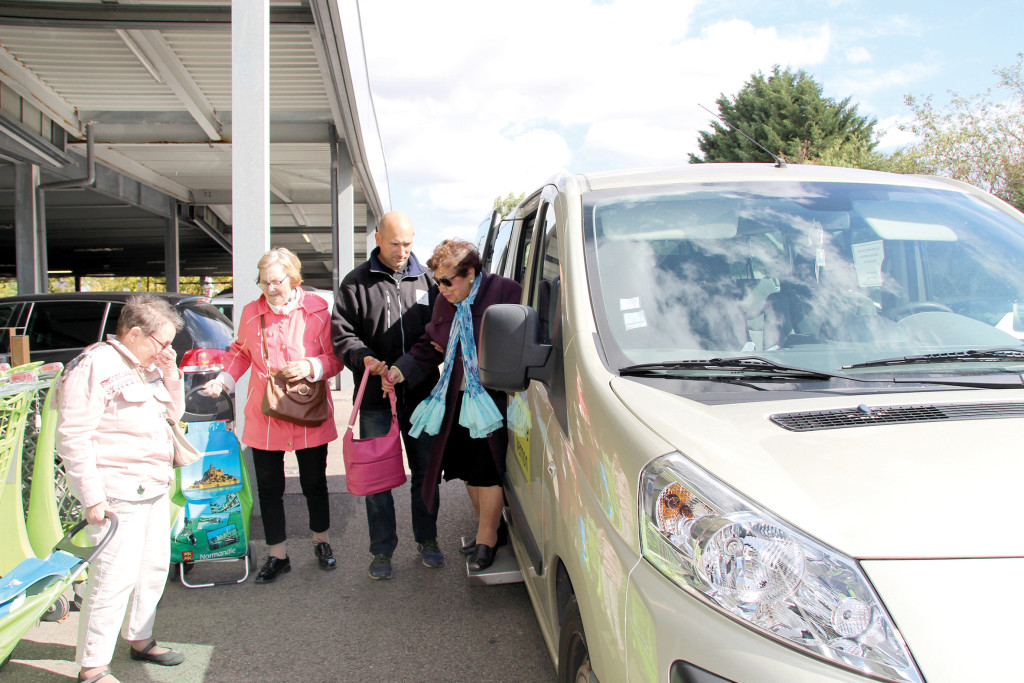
(447, 282)
(272, 283)
(162, 345)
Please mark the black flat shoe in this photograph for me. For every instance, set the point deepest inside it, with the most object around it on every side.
(324, 555)
(272, 567)
(482, 557)
(503, 539)
(169, 658)
(467, 549)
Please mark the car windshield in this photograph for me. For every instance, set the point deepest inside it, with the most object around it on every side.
(825, 276)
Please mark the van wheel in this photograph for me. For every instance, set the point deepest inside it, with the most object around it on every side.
(573, 655)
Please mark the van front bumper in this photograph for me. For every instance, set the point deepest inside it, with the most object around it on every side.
(674, 637)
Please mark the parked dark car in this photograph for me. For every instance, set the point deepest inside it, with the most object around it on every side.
(60, 325)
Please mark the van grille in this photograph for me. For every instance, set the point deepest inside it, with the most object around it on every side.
(866, 416)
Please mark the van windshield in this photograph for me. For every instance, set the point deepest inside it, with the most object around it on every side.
(822, 276)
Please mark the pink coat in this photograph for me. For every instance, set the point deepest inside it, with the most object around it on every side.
(303, 333)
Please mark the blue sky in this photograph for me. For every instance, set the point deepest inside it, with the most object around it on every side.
(477, 99)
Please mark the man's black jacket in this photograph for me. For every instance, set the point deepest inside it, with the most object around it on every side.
(378, 313)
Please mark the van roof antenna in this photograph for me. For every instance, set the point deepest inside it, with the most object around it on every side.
(779, 161)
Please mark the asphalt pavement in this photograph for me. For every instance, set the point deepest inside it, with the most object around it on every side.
(313, 625)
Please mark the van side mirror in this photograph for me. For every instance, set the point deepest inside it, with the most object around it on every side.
(510, 351)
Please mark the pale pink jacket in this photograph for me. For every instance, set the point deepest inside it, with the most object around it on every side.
(305, 332)
(112, 431)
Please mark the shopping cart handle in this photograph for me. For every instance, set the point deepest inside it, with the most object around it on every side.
(89, 552)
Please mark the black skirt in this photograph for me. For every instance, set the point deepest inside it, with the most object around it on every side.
(467, 458)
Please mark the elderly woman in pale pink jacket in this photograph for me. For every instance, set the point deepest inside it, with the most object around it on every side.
(297, 326)
(113, 437)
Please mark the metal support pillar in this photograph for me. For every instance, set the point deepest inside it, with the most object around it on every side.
(172, 252)
(250, 165)
(342, 210)
(26, 229)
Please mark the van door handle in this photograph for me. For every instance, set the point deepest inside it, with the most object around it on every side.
(551, 468)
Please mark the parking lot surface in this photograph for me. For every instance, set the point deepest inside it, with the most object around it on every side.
(314, 625)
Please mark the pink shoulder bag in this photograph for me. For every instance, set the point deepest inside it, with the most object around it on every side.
(373, 465)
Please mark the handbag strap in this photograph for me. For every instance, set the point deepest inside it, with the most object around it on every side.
(359, 401)
(263, 338)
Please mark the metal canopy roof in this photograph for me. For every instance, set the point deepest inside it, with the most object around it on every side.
(153, 82)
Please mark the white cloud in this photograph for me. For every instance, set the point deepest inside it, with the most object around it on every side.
(857, 55)
(482, 99)
(891, 137)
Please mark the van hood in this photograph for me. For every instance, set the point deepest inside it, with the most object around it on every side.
(914, 490)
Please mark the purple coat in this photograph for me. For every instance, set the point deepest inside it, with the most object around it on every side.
(423, 358)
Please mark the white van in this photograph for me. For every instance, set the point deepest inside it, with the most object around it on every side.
(763, 425)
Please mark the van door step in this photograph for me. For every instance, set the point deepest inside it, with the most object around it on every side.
(504, 569)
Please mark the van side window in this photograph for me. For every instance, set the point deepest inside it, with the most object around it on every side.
(64, 324)
(500, 252)
(521, 251)
(547, 279)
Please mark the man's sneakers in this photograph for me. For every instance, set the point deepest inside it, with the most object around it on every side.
(380, 568)
(432, 555)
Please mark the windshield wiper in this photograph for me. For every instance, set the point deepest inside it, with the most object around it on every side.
(968, 355)
(744, 364)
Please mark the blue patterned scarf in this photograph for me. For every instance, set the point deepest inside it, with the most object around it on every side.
(478, 412)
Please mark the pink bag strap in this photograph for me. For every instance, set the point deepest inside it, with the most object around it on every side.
(359, 401)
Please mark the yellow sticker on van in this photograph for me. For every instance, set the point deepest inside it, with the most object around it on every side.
(519, 424)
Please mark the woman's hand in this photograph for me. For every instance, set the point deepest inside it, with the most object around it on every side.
(213, 388)
(94, 514)
(437, 347)
(297, 369)
(167, 361)
(390, 379)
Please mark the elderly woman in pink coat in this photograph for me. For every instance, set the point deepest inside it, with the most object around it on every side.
(297, 328)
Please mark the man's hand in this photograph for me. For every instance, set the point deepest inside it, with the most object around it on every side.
(374, 366)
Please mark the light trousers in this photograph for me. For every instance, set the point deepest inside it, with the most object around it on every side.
(129, 575)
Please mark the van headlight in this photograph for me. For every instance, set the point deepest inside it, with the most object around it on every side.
(756, 568)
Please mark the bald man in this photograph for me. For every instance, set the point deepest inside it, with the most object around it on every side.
(380, 311)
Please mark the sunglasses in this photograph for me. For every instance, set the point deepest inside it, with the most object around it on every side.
(447, 281)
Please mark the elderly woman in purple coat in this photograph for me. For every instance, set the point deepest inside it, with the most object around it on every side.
(466, 418)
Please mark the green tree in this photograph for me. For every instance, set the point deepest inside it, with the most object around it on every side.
(979, 139)
(186, 284)
(505, 204)
(787, 113)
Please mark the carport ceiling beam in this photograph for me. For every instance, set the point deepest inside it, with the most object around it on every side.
(22, 81)
(25, 145)
(177, 78)
(211, 232)
(278, 191)
(150, 16)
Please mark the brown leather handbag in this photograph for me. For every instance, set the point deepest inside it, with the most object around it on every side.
(301, 402)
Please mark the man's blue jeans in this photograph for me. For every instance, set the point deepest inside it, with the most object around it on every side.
(380, 507)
